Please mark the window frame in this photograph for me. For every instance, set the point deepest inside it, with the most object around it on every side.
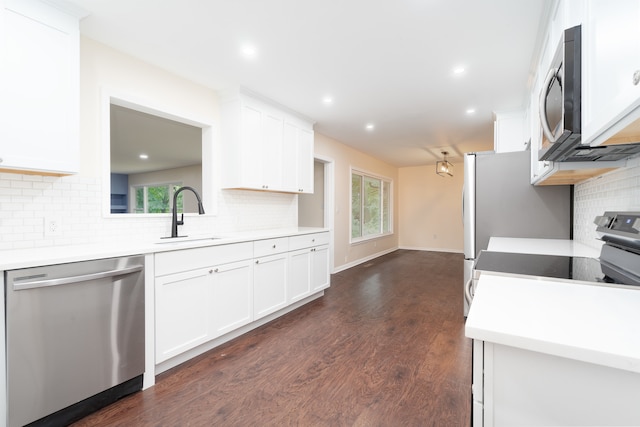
(383, 179)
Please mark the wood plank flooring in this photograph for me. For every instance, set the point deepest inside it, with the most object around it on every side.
(385, 346)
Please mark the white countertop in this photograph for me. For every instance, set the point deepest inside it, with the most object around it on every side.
(562, 247)
(596, 324)
(24, 258)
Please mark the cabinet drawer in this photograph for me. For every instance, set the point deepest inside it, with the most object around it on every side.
(191, 259)
(270, 247)
(308, 240)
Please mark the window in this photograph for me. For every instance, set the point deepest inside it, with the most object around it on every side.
(156, 198)
(370, 206)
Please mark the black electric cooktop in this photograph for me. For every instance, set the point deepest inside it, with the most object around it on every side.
(553, 266)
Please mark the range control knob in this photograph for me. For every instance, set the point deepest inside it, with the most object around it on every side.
(602, 221)
(636, 225)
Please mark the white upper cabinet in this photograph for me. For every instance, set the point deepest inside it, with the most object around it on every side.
(611, 72)
(298, 152)
(509, 132)
(39, 88)
(265, 147)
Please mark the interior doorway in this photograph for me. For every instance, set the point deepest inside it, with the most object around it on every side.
(311, 207)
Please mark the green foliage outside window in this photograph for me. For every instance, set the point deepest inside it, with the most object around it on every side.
(157, 199)
(370, 206)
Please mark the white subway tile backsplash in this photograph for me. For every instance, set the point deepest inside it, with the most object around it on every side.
(77, 202)
(618, 190)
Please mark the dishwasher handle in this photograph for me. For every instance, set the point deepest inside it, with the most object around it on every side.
(31, 284)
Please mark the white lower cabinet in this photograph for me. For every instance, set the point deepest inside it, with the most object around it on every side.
(231, 299)
(269, 284)
(299, 275)
(522, 387)
(309, 265)
(204, 293)
(183, 315)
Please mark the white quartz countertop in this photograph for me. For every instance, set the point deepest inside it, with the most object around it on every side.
(562, 247)
(591, 323)
(24, 258)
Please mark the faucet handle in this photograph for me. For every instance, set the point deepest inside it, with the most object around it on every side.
(181, 220)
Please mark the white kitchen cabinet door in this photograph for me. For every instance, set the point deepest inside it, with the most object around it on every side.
(251, 146)
(308, 272)
(269, 284)
(524, 387)
(611, 69)
(183, 312)
(298, 153)
(319, 268)
(299, 283)
(231, 300)
(305, 161)
(39, 88)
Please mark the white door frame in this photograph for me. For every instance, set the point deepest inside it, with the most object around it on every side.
(329, 201)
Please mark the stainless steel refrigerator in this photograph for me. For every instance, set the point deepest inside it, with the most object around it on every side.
(499, 200)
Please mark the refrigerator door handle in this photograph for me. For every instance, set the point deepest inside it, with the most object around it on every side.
(468, 292)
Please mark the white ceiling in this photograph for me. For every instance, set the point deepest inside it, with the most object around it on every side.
(386, 62)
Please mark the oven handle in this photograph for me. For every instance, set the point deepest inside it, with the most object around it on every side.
(468, 293)
(75, 279)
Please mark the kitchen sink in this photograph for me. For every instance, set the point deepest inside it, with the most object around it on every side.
(183, 239)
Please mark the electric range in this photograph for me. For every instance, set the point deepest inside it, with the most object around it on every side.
(618, 264)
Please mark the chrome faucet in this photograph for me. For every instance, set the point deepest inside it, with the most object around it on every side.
(174, 217)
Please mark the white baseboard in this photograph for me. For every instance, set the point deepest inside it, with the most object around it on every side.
(411, 248)
(362, 260)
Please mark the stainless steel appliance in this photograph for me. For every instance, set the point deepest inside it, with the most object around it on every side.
(561, 109)
(75, 338)
(499, 200)
(561, 97)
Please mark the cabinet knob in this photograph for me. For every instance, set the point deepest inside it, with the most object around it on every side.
(313, 240)
(1, 160)
(257, 261)
(274, 246)
(636, 77)
(215, 270)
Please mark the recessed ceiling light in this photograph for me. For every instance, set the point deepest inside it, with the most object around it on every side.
(369, 126)
(144, 156)
(249, 51)
(471, 111)
(327, 100)
(458, 71)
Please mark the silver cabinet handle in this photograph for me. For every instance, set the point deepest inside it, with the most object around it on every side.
(75, 279)
(636, 77)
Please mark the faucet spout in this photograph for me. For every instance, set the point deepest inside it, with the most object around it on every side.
(174, 213)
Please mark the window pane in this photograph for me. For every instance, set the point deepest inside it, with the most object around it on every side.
(158, 199)
(356, 205)
(371, 207)
(139, 208)
(386, 189)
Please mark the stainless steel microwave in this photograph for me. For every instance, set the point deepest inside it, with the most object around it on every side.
(560, 99)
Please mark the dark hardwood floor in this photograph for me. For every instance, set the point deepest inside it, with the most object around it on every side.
(385, 346)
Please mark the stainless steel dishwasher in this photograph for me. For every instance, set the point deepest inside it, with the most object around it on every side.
(75, 338)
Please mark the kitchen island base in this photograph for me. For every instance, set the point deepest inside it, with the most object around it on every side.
(522, 387)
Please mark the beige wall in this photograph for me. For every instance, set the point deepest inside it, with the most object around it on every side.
(105, 70)
(344, 157)
(430, 211)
